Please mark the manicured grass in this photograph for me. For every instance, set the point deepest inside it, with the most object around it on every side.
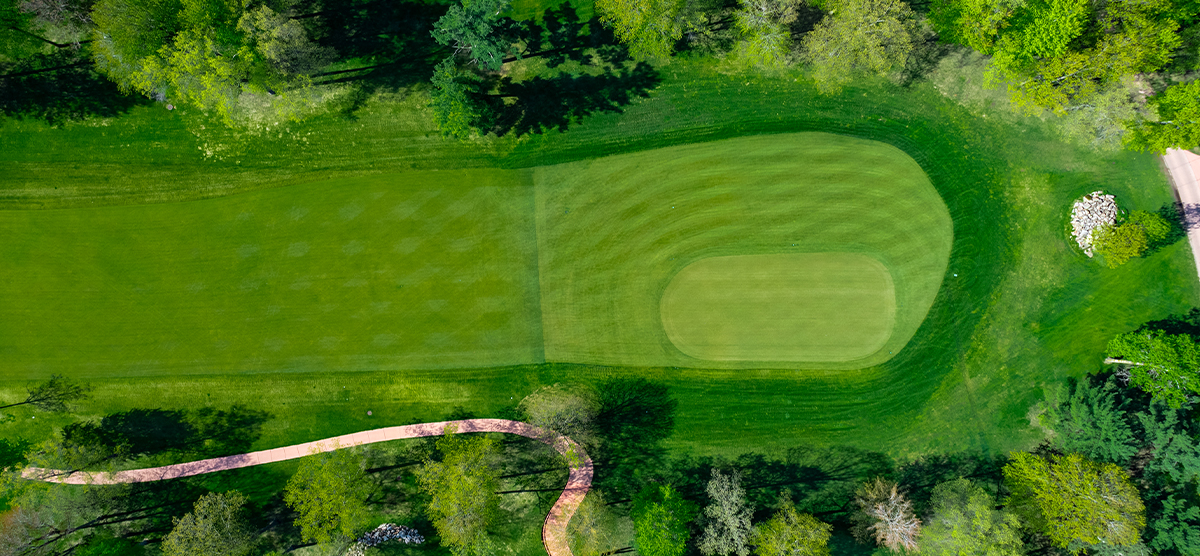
(614, 231)
(811, 307)
(413, 270)
(1024, 312)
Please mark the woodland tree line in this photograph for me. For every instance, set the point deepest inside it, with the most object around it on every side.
(1117, 72)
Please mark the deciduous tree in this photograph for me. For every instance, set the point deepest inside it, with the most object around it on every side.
(791, 533)
(215, 527)
(329, 492)
(1072, 499)
(593, 529)
(660, 521)
(565, 409)
(1178, 123)
(889, 514)
(1131, 238)
(965, 522)
(728, 527)
(649, 27)
(859, 37)
(1164, 365)
(462, 492)
(765, 40)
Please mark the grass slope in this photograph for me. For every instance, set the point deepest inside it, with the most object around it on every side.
(614, 231)
(813, 307)
(415, 270)
(1026, 312)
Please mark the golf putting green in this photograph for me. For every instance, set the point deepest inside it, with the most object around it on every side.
(615, 232)
(791, 307)
(491, 267)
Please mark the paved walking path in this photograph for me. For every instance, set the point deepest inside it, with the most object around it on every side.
(554, 530)
(1184, 169)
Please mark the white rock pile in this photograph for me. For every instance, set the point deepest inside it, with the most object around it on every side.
(386, 532)
(1092, 211)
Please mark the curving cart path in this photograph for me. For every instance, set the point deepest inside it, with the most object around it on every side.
(1184, 169)
(554, 530)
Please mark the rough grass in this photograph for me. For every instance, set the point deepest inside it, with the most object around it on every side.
(1025, 312)
(811, 307)
(413, 270)
(614, 231)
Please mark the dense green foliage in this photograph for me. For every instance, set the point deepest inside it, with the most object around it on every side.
(329, 493)
(857, 38)
(476, 30)
(791, 533)
(1178, 124)
(215, 527)
(660, 521)
(1131, 238)
(1165, 365)
(1071, 499)
(462, 493)
(727, 515)
(964, 521)
(649, 27)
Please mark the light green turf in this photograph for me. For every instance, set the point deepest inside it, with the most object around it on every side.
(794, 307)
(414, 270)
(613, 232)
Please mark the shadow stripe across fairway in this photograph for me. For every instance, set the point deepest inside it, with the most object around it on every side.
(413, 270)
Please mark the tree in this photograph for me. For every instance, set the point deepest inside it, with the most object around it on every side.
(567, 410)
(791, 533)
(462, 492)
(329, 491)
(54, 395)
(1071, 499)
(1164, 365)
(859, 37)
(1049, 61)
(887, 515)
(965, 522)
(476, 30)
(283, 42)
(1090, 421)
(214, 528)
(592, 530)
(763, 25)
(649, 27)
(728, 517)
(660, 521)
(1131, 238)
(456, 108)
(972, 23)
(1178, 123)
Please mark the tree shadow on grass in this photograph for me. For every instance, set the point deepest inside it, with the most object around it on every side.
(1187, 323)
(192, 434)
(74, 92)
(545, 104)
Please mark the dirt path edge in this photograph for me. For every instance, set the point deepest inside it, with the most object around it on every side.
(1183, 167)
(554, 530)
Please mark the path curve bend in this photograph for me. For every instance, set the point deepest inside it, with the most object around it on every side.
(554, 530)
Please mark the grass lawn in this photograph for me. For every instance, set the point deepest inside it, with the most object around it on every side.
(790, 307)
(412, 270)
(1025, 311)
(613, 232)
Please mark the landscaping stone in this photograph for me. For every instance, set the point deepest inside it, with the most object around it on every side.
(1089, 213)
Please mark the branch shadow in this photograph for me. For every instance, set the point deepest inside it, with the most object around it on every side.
(67, 94)
(201, 433)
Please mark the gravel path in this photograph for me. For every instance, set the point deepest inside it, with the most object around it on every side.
(1184, 169)
(554, 530)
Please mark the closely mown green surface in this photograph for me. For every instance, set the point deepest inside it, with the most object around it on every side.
(1025, 311)
(808, 307)
(412, 270)
(614, 231)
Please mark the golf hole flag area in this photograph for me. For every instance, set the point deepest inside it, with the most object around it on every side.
(803, 250)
